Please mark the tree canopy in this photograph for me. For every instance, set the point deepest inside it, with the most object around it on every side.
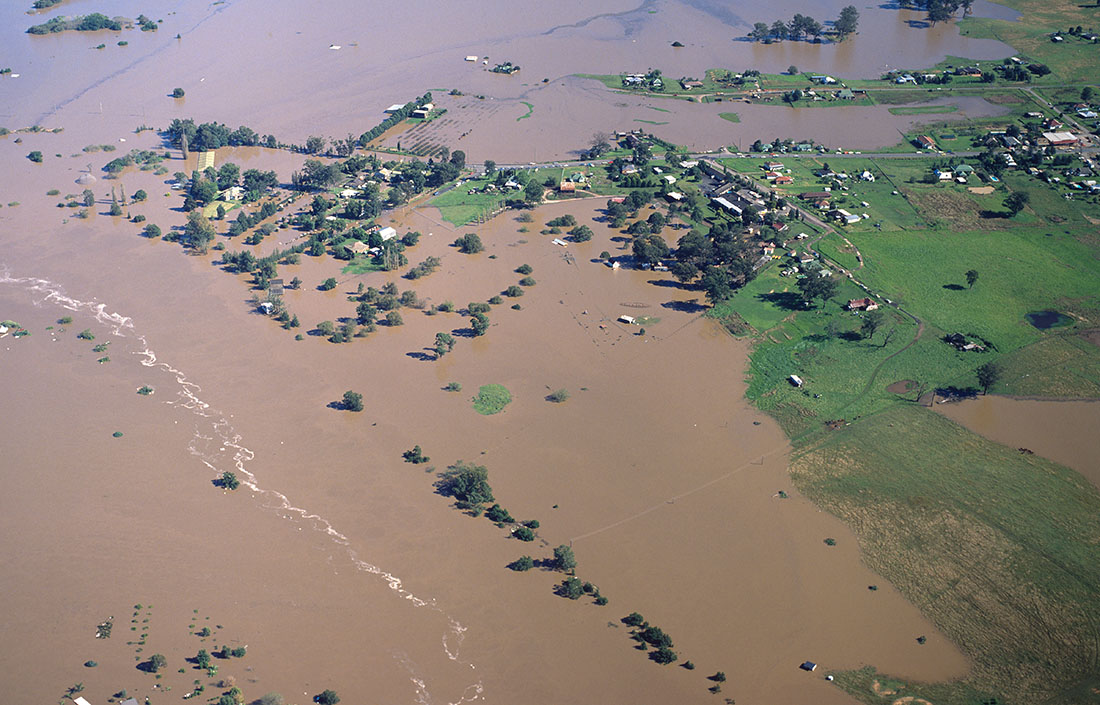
(466, 483)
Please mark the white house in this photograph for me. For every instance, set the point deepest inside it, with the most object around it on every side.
(626, 319)
(387, 234)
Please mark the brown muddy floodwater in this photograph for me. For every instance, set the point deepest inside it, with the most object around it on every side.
(336, 563)
(1063, 431)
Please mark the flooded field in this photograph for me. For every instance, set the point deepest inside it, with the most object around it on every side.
(1064, 431)
(335, 563)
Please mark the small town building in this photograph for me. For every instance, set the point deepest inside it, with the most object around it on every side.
(626, 319)
(797, 381)
(1060, 139)
(233, 193)
(862, 305)
(387, 234)
(567, 187)
(926, 142)
(674, 196)
(358, 247)
(808, 666)
(725, 205)
(397, 106)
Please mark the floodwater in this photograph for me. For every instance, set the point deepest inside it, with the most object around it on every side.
(335, 563)
(1063, 431)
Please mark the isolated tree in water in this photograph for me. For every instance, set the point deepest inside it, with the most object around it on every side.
(353, 401)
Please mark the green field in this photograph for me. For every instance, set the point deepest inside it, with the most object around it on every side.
(1071, 60)
(459, 207)
(995, 547)
(731, 117)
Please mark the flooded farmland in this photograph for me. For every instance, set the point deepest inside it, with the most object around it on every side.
(337, 565)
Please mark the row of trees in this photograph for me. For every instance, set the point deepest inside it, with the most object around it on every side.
(184, 134)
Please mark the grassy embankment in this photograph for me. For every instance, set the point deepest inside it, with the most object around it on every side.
(997, 548)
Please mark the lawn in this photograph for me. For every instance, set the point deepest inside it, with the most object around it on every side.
(964, 528)
(459, 207)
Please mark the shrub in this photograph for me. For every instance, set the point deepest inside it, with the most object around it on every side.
(496, 300)
(830, 542)
(466, 483)
(571, 588)
(663, 655)
(522, 564)
(65, 320)
(178, 93)
(145, 390)
(531, 523)
(446, 307)
(393, 318)
(601, 600)
(524, 534)
(558, 397)
(85, 334)
(469, 244)
(35, 156)
(328, 284)
(415, 456)
(229, 480)
(527, 281)
(524, 269)
(499, 514)
(513, 291)
(453, 387)
(90, 664)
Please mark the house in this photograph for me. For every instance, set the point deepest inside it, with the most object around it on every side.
(862, 305)
(814, 196)
(357, 247)
(690, 164)
(688, 85)
(267, 308)
(783, 179)
(674, 196)
(905, 79)
(771, 175)
(926, 142)
(964, 170)
(944, 174)
(1010, 141)
(773, 166)
(398, 106)
(630, 169)
(1087, 113)
(797, 381)
(823, 80)
(1060, 139)
(81, 701)
(808, 666)
(387, 234)
(845, 94)
(669, 179)
(767, 248)
(867, 176)
(471, 58)
(626, 319)
(233, 193)
(617, 199)
(567, 187)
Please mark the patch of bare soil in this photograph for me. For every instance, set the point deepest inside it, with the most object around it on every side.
(881, 690)
(911, 700)
(981, 190)
(902, 386)
(953, 207)
(1093, 336)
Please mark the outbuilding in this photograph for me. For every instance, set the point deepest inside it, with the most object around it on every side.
(797, 381)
